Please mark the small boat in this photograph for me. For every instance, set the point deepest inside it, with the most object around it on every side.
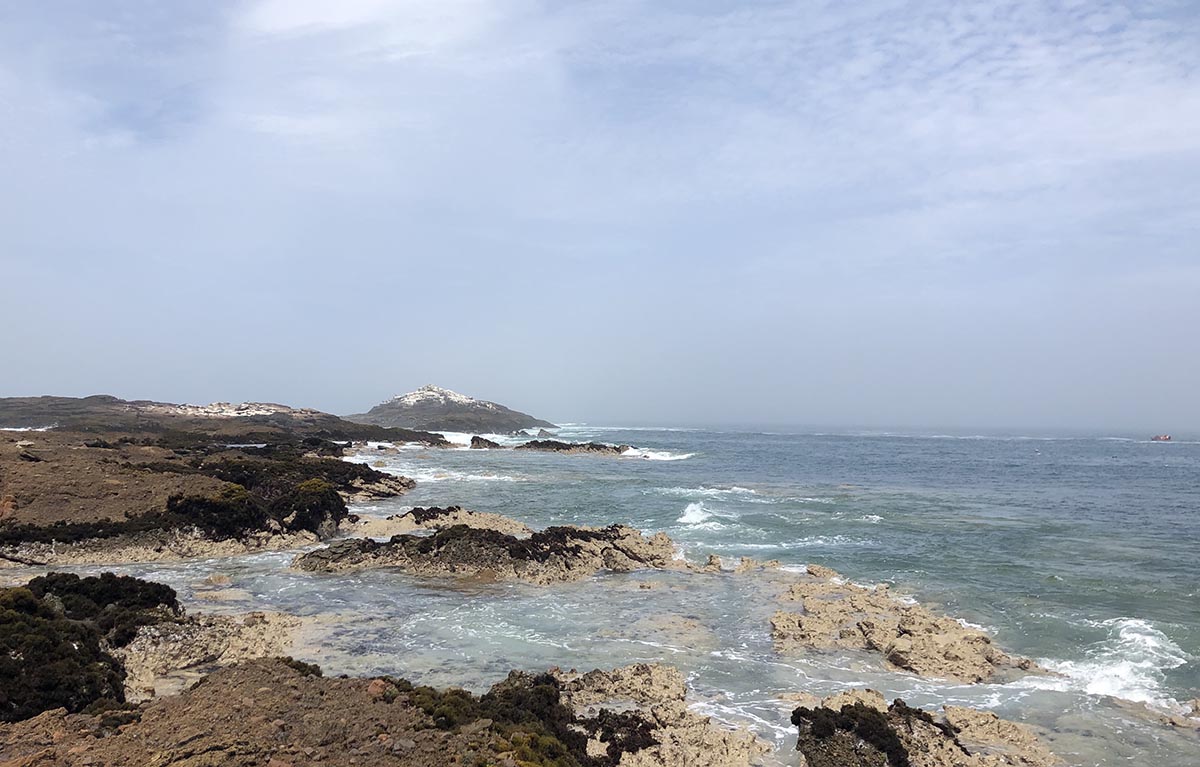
(1161, 438)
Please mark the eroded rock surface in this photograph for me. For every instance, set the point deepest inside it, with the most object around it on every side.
(858, 729)
(658, 695)
(554, 555)
(436, 518)
(164, 658)
(835, 614)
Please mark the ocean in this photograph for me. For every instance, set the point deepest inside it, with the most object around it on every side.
(1081, 552)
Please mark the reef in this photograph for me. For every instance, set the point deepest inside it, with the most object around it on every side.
(859, 729)
(553, 555)
(836, 614)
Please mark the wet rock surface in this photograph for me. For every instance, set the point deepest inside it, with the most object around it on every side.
(482, 443)
(835, 614)
(554, 555)
(859, 729)
(557, 446)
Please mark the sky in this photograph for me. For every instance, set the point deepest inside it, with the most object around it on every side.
(950, 214)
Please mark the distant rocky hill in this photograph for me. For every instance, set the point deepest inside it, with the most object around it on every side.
(245, 422)
(432, 408)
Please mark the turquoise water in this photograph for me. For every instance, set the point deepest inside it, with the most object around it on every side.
(1080, 552)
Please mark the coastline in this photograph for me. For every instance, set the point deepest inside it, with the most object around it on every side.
(777, 579)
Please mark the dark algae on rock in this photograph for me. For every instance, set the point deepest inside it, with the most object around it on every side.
(55, 634)
(555, 554)
(858, 729)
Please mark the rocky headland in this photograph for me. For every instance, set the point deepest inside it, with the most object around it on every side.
(432, 408)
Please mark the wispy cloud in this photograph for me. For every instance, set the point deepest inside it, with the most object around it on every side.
(860, 150)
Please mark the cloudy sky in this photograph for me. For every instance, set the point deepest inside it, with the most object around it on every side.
(668, 211)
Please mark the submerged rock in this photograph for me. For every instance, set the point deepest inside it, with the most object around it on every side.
(858, 729)
(554, 555)
(835, 614)
(557, 446)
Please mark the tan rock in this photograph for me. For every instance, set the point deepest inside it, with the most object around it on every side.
(961, 738)
(987, 735)
(660, 693)
(836, 614)
(166, 657)
(869, 698)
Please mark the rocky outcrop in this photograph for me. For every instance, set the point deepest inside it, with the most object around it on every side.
(362, 490)
(859, 729)
(436, 518)
(836, 614)
(482, 443)
(165, 658)
(278, 712)
(658, 695)
(557, 446)
(432, 408)
(105, 502)
(554, 555)
(156, 546)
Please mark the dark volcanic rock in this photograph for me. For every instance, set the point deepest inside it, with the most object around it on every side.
(556, 446)
(481, 443)
(437, 409)
(555, 554)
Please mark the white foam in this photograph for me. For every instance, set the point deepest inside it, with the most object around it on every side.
(655, 455)
(26, 428)
(873, 519)
(704, 492)
(694, 514)
(1131, 664)
(456, 437)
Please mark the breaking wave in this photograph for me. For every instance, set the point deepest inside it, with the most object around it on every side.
(1131, 664)
(655, 455)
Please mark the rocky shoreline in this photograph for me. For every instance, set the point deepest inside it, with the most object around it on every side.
(142, 680)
